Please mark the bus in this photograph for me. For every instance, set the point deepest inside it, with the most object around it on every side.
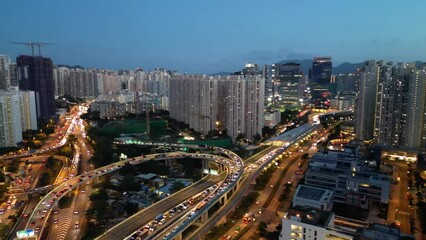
(13, 204)
(201, 205)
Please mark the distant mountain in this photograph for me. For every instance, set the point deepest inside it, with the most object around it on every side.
(420, 64)
(68, 66)
(346, 67)
(339, 69)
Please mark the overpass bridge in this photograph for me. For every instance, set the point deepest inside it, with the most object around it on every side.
(42, 211)
(233, 169)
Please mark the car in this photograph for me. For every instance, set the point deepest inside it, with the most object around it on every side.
(55, 211)
(76, 212)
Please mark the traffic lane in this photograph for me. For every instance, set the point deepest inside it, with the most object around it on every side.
(128, 226)
(266, 213)
(85, 206)
(27, 213)
(404, 211)
(65, 187)
(48, 198)
(260, 154)
(269, 214)
(77, 208)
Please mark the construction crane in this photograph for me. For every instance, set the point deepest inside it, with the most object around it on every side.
(34, 44)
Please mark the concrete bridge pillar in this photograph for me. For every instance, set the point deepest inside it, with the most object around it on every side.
(168, 162)
(178, 236)
(205, 164)
(204, 217)
(224, 199)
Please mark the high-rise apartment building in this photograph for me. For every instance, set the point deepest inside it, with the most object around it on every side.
(321, 71)
(243, 99)
(14, 84)
(4, 73)
(28, 110)
(232, 103)
(194, 100)
(385, 104)
(319, 80)
(416, 110)
(10, 115)
(60, 77)
(391, 104)
(36, 74)
(75, 82)
(366, 100)
(287, 80)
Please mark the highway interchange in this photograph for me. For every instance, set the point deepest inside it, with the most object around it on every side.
(228, 181)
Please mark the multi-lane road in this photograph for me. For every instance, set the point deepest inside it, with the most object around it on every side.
(133, 223)
(42, 211)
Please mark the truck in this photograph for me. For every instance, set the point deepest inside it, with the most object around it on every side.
(159, 217)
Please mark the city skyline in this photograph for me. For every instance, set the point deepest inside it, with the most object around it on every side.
(191, 37)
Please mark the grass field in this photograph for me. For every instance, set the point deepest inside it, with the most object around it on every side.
(158, 127)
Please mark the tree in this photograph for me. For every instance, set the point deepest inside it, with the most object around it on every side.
(127, 169)
(72, 138)
(131, 208)
(99, 211)
(197, 174)
(4, 231)
(240, 137)
(153, 166)
(257, 137)
(176, 186)
(129, 184)
(98, 195)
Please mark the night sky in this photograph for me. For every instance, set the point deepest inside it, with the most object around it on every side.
(199, 36)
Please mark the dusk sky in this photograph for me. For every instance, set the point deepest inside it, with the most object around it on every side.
(209, 36)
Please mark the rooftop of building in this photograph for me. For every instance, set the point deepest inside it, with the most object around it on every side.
(379, 231)
(309, 216)
(312, 193)
(147, 176)
(293, 134)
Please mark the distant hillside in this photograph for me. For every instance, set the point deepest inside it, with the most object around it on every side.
(339, 69)
(68, 66)
(346, 67)
(420, 64)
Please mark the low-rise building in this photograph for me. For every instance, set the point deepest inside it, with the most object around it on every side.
(353, 180)
(310, 224)
(314, 197)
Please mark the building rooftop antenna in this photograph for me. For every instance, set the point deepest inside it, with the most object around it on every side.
(34, 44)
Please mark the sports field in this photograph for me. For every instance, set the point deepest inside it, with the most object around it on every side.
(158, 127)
